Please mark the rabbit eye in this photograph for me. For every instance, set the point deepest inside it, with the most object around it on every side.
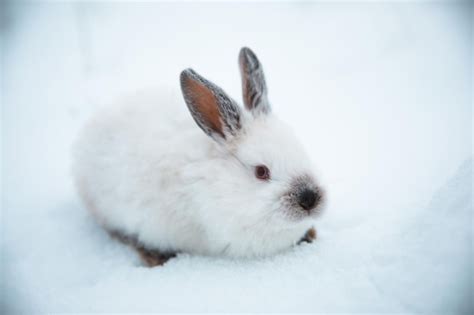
(262, 172)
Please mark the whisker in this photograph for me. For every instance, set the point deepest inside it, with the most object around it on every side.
(266, 216)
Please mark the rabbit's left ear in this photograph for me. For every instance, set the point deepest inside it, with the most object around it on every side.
(254, 88)
(214, 112)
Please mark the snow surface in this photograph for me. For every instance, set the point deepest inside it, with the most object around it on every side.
(381, 94)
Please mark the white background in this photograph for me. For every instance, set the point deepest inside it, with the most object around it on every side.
(379, 93)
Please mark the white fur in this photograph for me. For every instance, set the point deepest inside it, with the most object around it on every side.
(144, 168)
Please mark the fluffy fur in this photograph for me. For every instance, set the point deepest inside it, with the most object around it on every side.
(145, 169)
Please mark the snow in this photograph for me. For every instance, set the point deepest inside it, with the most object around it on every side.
(380, 93)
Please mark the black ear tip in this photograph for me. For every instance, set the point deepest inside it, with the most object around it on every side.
(246, 52)
(185, 78)
(189, 74)
(248, 57)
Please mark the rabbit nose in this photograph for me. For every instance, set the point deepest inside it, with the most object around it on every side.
(308, 199)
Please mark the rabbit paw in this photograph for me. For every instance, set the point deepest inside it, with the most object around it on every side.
(154, 258)
(309, 237)
(151, 258)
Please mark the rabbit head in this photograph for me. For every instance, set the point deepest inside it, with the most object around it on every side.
(261, 178)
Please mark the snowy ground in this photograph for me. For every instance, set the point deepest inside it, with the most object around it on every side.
(381, 95)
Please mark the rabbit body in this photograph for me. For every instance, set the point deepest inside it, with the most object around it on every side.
(145, 169)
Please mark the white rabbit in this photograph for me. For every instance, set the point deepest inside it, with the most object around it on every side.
(242, 188)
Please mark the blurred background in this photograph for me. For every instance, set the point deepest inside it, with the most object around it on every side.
(379, 92)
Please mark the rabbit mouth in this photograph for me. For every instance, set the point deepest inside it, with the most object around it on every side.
(294, 212)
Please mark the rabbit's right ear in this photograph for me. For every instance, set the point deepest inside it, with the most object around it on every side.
(254, 88)
(215, 113)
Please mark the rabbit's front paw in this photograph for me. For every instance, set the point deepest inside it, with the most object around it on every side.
(309, 237)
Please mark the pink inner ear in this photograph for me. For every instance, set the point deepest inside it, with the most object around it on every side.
(205, 103)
